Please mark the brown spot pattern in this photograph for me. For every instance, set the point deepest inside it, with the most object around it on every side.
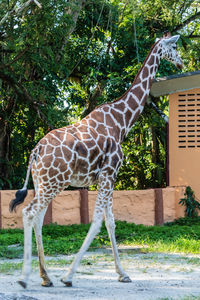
(53, 141)
(90, 144)
(144, 101)
(144, 84)
(58, 152)
(101, 129)
(132, 103)
(106, 109)
(49, 149)
(151, 60)
(81, 149)
(145, 73)
(99, 116)
(52, 172)
(81, 166)
(118, 116)
(119, 106)
(128, 117)
(92, 123)
(109, 121)
(67, 154)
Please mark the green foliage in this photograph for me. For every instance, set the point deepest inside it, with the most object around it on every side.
(144, 163)
(51, 72)
(191, 205)
(186, 221)
(60, 239)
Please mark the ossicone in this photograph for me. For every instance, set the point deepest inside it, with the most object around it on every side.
(167, 34)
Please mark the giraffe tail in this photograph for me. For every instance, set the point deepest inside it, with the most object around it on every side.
(19, 198)
(21, 194)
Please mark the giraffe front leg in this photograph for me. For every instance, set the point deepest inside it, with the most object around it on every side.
(110, 225)
(38, 221)
(93, 231)
(102, 197)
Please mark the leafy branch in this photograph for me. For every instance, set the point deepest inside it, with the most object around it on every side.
(23, 93)
(187, 21)
(18, 11)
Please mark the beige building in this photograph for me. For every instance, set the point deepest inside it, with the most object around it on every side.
(184, 127)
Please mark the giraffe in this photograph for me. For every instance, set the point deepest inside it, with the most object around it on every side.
(86, 153)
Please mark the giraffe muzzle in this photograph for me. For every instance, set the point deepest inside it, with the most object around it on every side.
(180, 65)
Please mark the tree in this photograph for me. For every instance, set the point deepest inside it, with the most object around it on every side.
(123, 49)
(33, 37)
(59, 60)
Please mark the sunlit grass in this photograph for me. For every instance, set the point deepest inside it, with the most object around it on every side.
(181, 236)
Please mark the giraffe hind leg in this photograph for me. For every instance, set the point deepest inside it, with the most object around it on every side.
(26, 270)
(38, 222)
(33, 216)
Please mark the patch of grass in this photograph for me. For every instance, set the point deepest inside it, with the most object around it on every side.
(191, 298)
(85, 273)
(181, 298)
(8, 252)
(195, 261)
(180, 236)
(186, 221)
(8, 267)
(58, 262)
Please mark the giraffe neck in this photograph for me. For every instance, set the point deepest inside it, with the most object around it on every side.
(134, 99)
(117, 117)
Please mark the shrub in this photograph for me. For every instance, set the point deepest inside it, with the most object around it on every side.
(191, 204)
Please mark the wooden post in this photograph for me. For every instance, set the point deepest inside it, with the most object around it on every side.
(159, 215)
(84, 211)
(48, 215)
(167, 155)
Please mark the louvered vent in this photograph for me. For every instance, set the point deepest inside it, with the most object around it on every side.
(189, 120)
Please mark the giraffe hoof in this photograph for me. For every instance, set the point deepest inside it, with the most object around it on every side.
(67, 283)
(47, 283)
(125, 278)
(22, 283)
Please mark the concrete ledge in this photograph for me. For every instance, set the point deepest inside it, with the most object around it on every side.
(136, 206)
(13, 220)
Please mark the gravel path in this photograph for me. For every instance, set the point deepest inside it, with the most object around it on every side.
(154, 276)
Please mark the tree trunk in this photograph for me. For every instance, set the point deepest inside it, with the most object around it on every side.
(4, 155)
(155, 157)
(93, 100)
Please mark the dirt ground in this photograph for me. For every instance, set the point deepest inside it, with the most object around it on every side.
(154, 276)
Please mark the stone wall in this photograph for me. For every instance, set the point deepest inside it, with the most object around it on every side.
(13, 220)
(131, 206)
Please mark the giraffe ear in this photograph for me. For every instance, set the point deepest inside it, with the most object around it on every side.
(171, 40)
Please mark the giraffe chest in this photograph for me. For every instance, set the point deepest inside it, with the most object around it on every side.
(85, 171)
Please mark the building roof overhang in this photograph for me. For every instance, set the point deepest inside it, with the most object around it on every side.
(175, 83)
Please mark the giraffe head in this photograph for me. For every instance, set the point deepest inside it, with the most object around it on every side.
(169, 52)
